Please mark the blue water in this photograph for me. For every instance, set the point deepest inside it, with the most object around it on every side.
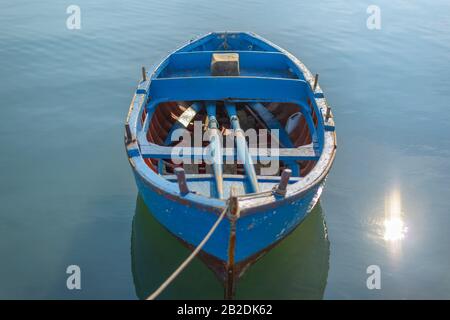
(67, 195)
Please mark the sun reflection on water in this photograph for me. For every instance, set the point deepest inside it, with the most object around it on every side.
(394, 225)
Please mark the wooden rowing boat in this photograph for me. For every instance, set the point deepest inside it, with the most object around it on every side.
(230, 115)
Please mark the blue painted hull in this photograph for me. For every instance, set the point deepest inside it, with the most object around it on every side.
(255, 232)
(228, 73)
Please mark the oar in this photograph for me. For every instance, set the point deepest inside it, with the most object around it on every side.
(243, 154)
(215, 146)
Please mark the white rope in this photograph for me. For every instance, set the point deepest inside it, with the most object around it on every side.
(172, 277)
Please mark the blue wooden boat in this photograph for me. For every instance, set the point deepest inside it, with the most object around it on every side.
(226, 84)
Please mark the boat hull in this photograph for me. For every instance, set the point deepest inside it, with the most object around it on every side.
(262, 209)
(255, 231)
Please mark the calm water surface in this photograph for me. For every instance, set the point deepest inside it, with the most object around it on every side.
(67, 195)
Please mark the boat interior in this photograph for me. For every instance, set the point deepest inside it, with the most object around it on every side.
(190, 91)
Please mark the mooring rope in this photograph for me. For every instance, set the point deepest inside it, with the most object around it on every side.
(172, 277)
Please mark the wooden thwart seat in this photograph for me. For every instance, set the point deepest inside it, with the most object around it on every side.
(155, 151)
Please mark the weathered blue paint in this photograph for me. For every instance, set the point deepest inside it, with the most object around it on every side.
(259, 230)
(254, 232)
(254, 63)
(267, 74)
(251, 88)
(187, 222)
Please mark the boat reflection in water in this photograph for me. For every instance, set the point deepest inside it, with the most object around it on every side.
(297, 268)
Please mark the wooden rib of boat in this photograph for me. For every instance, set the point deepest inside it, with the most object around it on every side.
(228, 84)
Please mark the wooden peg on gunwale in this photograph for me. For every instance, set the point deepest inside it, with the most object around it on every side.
(328, 114)
(181, 179)
(144, 74)
(316, 79)
(128, 134)
(284, 180)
